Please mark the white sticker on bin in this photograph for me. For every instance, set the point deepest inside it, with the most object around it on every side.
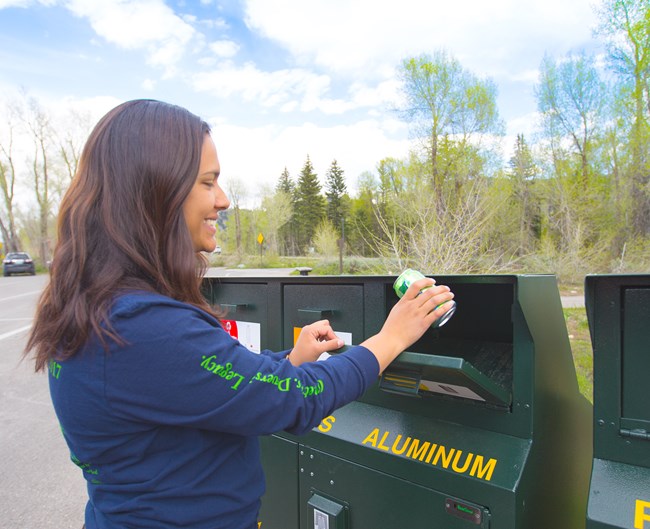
(347, 340)
(248, 333)
(449, 389)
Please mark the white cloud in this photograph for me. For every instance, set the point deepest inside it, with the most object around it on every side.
(357, 36)
(224, 48)
(148, 85)
(257, 156)
(270, 89)
(141, 24)
(290, 90)
(25, 3)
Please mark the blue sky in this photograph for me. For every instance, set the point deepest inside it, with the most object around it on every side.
(282, 79)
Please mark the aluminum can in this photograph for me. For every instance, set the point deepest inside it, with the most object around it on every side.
(404, 281)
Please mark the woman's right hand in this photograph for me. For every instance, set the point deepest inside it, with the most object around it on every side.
(413, 314)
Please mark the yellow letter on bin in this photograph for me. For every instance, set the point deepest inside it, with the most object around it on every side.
(641, 514)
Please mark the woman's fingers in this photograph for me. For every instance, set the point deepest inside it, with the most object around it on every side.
(433, 297)
(417, 286)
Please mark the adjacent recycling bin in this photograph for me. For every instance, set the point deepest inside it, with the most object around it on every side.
(618, 310)
(480, 424)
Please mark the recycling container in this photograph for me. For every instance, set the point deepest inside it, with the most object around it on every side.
(479, 424)
(618, 311)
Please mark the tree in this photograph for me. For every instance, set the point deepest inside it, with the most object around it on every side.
(522, 172)
(412, 233)
(285, 183)
(336, 196)
(325, 238)
(390, 176)
(7, 186)
(309, 205)
(571, 98)
(38, 123)
(287, 231)
(236, 191)
(279, 208)
(444, 100)
(362, 218)
(71, 137)
(625, 24)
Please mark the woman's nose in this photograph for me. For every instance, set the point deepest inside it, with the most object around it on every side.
(221, 199)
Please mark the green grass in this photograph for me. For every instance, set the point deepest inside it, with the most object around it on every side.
(578, 329)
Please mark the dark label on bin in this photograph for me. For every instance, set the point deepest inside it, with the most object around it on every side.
(463, 510)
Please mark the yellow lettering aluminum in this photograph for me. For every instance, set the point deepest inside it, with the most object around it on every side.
(641, 514)
(372, 438)
(468, 460)
(381, 444)
(483, 472)
(446, 457)
(400, 451)
(415, 452)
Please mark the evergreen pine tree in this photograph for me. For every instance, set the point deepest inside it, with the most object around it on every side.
(309, 206)
(522, 172)
(285, 183)
(522, 166)
(336, 191)
(287, 232)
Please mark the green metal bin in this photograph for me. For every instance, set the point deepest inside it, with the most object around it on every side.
(618, 310)
(480, 424)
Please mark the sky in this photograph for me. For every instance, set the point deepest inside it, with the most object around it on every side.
(280, 80)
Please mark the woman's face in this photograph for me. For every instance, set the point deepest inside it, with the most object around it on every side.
(205, 200)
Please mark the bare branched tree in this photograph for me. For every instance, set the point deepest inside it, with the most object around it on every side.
(70, 141)
(7, 186)
(416, 235)
(37, 122)
(236, 191)
(278, 208)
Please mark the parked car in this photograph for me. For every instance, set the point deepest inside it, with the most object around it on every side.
(18, 263)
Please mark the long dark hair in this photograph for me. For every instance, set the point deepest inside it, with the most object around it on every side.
(121, 225)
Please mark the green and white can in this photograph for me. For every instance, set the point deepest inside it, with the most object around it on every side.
(404, 281)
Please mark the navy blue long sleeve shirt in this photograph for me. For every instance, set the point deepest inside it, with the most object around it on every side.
(165, 426)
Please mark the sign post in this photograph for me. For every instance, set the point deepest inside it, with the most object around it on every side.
(260, 240)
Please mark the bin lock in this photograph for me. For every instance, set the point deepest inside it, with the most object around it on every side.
(325, 513)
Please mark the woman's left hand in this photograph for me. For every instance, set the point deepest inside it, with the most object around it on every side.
(314, 340)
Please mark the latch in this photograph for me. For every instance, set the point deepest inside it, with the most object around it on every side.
(326, 514)
(637, 433)
(317, 314)
(234, 307)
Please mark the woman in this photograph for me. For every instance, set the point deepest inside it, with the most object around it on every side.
(159, 406)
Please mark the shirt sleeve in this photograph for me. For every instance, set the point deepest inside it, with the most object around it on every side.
(179, 367)
(279, 355)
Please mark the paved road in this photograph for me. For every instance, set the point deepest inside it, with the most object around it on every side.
(573, 302)
(249, 272)
(41, 488)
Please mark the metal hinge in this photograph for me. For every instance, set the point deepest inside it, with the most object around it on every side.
(636, 434)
